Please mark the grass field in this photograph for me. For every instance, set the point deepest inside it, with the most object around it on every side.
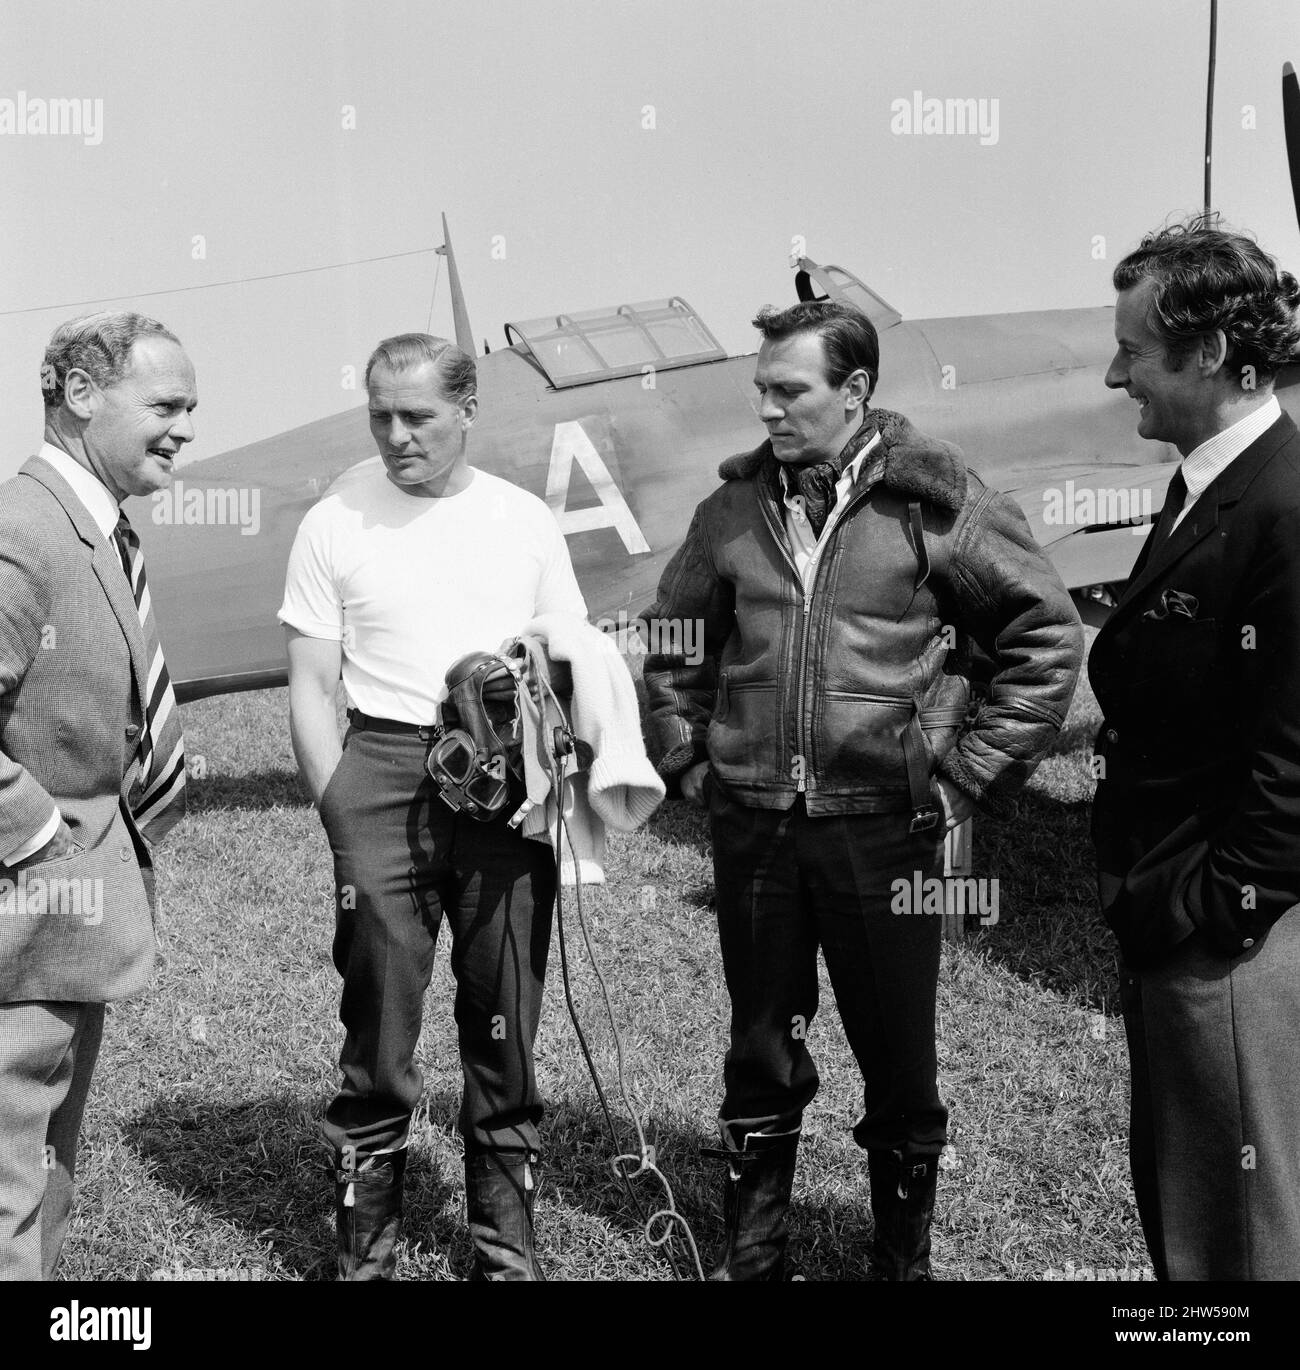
(200, 1151)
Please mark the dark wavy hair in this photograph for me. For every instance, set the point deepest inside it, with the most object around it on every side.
(456, 372)
(848, 336)
(1208, 278)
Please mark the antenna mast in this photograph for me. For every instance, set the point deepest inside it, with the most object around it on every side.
(1209, 100)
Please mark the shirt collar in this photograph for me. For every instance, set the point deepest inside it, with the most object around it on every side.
(1216, 454)
(89, 489)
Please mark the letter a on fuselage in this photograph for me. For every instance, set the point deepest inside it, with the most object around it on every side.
(571, 443)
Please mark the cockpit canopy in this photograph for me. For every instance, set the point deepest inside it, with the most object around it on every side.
(601, 344)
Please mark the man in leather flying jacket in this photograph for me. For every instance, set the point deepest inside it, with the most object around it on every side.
(844, 573)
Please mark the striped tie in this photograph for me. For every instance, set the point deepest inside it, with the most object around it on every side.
(161, 803)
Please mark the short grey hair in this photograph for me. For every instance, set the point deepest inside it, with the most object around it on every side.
(456, 371)
(99, 344)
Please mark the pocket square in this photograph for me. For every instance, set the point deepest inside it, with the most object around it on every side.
(1175, 604)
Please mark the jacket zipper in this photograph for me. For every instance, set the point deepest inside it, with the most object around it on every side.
(818, 560)
(806, 751)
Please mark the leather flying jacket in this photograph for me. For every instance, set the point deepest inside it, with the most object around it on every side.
(856, 693)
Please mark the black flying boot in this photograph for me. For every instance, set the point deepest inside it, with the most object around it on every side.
(499, 1204)
(368, 1208)
(755, 1197)
(902, 1204)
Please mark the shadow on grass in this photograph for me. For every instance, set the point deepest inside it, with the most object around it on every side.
(828, 1240)
(262, 1167)
(270, 789)
(577, 1177)
(677, 821)
(1050, 930)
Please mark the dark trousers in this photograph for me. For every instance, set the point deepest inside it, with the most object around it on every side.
(403, 859)
(1216, 1108)
(787, 883)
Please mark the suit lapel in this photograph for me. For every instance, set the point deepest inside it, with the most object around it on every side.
(105, 563)
(1203, 518)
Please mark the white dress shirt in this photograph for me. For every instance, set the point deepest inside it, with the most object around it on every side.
(803, 544)
(1213, 457)
(102, 508)
(89, 489)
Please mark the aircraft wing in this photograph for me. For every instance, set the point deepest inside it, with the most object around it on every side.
(217, 544)
(1092, 522)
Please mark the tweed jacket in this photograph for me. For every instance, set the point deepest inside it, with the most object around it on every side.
(72, 677)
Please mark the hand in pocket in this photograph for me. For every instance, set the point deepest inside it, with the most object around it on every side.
(61, 844)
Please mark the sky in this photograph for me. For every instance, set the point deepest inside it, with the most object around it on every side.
(591, 154)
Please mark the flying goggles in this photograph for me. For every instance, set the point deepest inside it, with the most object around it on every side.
(478, 745)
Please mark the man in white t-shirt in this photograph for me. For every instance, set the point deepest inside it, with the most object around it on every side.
(408, 563)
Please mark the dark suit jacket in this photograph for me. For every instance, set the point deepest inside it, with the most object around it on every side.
(1197, 817)
(72, 675)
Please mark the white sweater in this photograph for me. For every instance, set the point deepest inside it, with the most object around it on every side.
(622, 788)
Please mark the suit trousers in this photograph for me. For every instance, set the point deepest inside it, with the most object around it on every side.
(402, 860)
(1215, 1112)
(47, 1055)
(787, 884)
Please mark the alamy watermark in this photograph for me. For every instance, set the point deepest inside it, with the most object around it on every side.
(34, 896)
(953, 118)
(957, 895)
(208, 1273)
(180, 504)
(1073, 1273)
(77, 1322)
(678, 637)
(35, 117)
(1082, 506)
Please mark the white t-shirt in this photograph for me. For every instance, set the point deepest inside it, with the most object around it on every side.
(409, 584)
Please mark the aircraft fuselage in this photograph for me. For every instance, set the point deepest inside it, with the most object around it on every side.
(623, 463)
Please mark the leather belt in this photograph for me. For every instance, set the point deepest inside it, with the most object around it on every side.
(364, 723)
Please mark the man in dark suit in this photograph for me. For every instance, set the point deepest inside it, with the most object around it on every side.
(1197, 816)
(92, 765)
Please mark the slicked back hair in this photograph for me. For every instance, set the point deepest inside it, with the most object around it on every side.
(456, 372)
(848, 336)
(1207, 278)
(99, 344)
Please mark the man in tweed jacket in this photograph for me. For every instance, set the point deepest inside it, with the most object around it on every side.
(76, 905)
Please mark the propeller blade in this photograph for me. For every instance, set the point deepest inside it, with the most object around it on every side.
(1291, 125)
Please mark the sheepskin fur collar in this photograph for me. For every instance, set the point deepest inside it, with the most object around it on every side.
(911, 463)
